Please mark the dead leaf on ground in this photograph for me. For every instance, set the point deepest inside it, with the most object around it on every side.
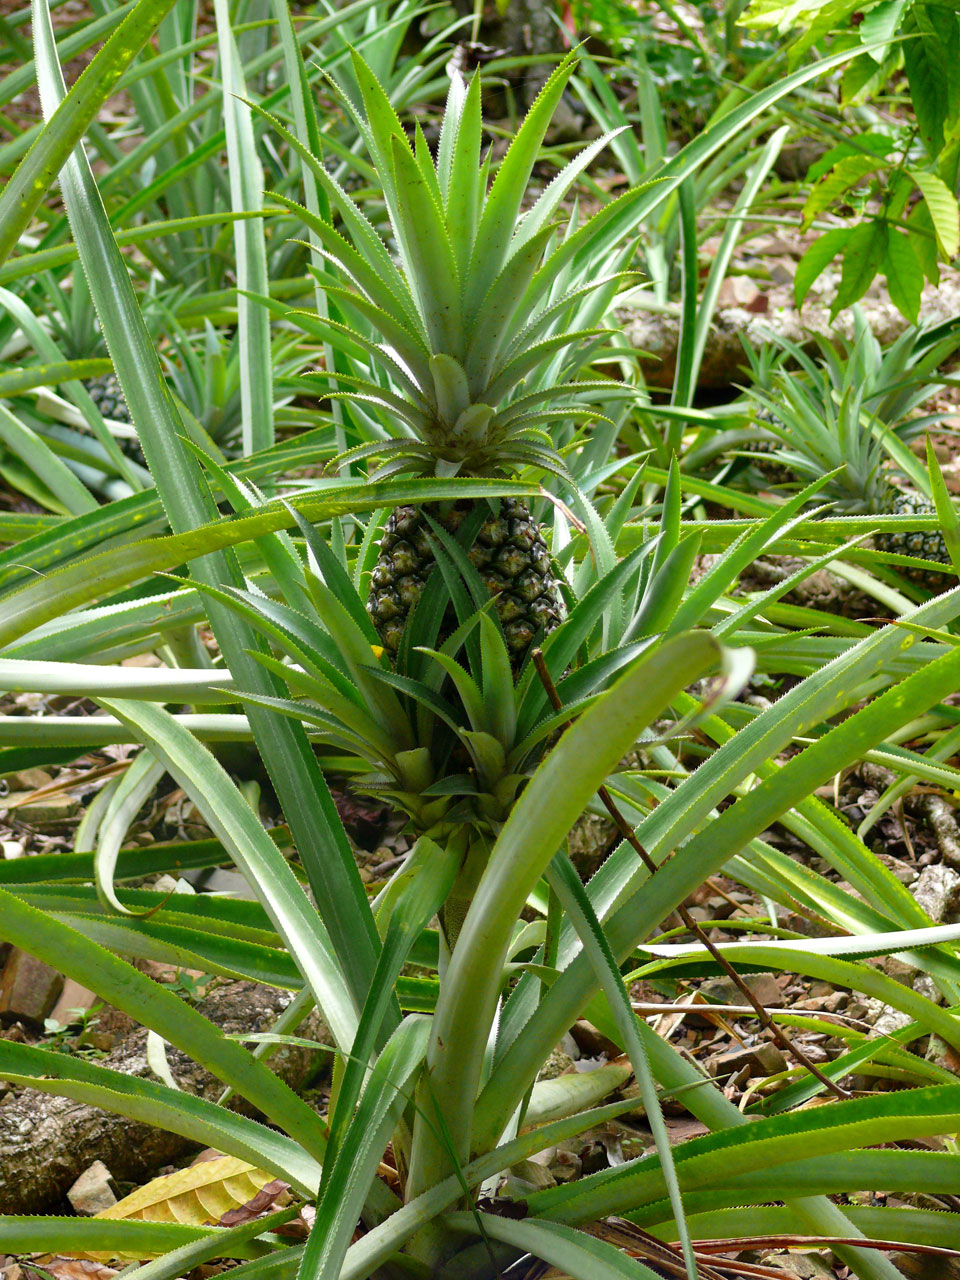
(275, 1195)
(198, 1196)
(79, 1269)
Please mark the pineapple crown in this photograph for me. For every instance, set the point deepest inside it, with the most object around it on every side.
(823, 431)
(850, 407)
(466, 346)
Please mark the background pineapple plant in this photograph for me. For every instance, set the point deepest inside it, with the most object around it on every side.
(472, 341)
(819, 437)
(852, 412)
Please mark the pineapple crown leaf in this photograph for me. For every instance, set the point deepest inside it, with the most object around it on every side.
(451, 388)
(543, 459)
(379, 121)
(404, 343)
(416, 414)
(428, 257)
(467, 180)
(561, 393)
(498, 221)
(412, 198)
(449, 129)
(425, 164)
(380, 399)
(606, 228)
(361, 230)
(495, 322)
(549, 201)
(551, 313)
(373, 449)
(337, 251)
(347, 338)
(527, 360)
(472, 424)
(402, 464)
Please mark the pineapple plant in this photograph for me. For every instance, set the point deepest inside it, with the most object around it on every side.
(468, 330)
(823, 434)
(764, 446)
(77, 333)
(844, 410)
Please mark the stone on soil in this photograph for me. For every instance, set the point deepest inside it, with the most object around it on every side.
(762, 1060)
(762, 986)
(936, 889)
(47, 809)
(94, 1191)
(29, 780)
(28, 988)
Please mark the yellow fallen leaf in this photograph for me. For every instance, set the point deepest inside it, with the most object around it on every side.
(196, 1197)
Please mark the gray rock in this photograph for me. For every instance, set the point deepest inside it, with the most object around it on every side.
(762, 1060)
(47, 809)
(94, 1191)
(936, 889)
(763, 987)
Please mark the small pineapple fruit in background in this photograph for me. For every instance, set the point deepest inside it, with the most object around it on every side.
(924, 545)
(106, 395)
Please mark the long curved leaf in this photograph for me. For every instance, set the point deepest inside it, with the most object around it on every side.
(239, 830)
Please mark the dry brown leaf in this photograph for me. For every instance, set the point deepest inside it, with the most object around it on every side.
(79, 1269)
(275, 1195)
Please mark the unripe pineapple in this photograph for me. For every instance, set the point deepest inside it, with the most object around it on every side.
(929, 545)
(106, 395)
(466, 345)
(766, 450)
(509, 554)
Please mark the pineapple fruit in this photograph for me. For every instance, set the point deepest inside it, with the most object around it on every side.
(468, 331)
(106, 395)
(764, 451)
(923, 545)
(509, 553)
